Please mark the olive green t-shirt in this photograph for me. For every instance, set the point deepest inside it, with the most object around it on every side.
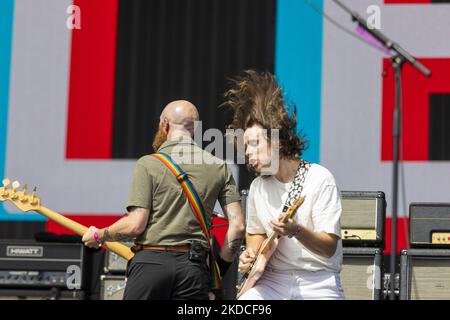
(154, 186)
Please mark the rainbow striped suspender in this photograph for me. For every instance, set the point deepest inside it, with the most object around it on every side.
(197, 208)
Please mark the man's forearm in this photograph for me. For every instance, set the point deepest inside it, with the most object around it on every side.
(115, 236)
(254, 241)
(320, 243)
(236, 231)
(232, 243)
(129, 227)
(120, 231)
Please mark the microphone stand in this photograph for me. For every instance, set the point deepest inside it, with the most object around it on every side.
(399, 58)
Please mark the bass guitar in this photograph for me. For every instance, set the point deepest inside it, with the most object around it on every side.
(30, 202)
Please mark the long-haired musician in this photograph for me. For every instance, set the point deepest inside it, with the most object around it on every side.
(308, 258)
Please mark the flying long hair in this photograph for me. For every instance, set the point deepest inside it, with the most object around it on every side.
(257, 99)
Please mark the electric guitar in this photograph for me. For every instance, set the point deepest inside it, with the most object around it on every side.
(266, 250)
(30, 202)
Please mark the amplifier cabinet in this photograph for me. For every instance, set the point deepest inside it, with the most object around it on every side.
(112, 287)
(425, 274)
(40, 265)
(363, 218)
(114, 263)
(426, 220)
(362, 273)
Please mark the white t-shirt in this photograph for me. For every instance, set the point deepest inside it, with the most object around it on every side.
(321, 211)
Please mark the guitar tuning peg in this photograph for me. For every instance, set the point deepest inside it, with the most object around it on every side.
(24, 198)
(33, 196)
(15, 185)
(6, 182)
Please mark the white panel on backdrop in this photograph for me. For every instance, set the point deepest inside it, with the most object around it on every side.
(352, 99)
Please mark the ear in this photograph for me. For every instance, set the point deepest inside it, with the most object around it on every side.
(165, 125)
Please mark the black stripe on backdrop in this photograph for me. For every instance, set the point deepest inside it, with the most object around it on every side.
(439, 128)
(20, 229)
(183, 49)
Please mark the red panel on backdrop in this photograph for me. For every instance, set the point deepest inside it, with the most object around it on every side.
(99, 221)
(415, 108)
(92, 76)
(402, 234)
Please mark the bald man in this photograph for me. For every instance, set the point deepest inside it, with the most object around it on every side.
(171, 249)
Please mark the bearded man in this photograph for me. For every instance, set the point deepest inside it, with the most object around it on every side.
(171, 246)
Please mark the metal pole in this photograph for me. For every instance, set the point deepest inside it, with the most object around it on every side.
(397, 63)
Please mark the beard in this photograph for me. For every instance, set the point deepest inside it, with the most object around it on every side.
(160, 138)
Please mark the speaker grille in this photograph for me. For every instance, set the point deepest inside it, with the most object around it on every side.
(112, 287)
(429, 278)
(357, 278)
(359, 213)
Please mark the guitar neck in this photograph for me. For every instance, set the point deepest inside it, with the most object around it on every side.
(80, 229)
(289, 215)
(64, 221)
(267, 243)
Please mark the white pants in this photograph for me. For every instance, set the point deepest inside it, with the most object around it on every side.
(296, 285)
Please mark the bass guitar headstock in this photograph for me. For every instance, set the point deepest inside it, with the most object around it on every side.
(20, 198)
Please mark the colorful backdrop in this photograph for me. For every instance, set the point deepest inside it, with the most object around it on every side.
(71, 100)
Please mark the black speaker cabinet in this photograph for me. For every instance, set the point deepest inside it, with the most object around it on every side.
(429, 225)
(363, 218)
(362, 273)
(425, 274)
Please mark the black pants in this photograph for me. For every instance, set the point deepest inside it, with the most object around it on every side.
(161, 275)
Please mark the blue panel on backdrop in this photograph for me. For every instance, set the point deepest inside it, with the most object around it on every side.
(298, 65)
(6, 35)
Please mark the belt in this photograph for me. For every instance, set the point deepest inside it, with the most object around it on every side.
(183, 249)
